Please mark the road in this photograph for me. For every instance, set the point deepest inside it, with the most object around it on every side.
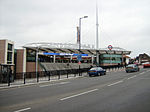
(114, 92)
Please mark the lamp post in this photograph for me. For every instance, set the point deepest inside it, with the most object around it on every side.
(79, 41)
(80, 30)
(37, 50)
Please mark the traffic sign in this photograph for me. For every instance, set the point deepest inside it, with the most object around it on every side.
(79, 57)
(79, 62)
(110, 47)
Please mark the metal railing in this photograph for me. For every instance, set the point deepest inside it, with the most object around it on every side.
(28, 77)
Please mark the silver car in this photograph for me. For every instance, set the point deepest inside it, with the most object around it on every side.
(132, 68)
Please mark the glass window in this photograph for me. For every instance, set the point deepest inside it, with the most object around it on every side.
(107, 58)
(9, 56)
(31, 56)
(10, 46)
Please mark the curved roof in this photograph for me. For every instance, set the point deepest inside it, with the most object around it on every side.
(59, 45)
(73, 48)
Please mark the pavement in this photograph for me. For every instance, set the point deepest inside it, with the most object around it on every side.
(33, 81)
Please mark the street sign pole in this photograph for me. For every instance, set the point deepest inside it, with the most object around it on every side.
(110, 48)
(79, 57)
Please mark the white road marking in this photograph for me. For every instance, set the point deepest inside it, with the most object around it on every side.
(115, 83)
(132, 77)
(21, 110)
(78, 94)
(145, 78)
(142, 73)
(61, 83)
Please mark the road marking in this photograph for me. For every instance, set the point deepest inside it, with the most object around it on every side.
(61, 83)
(115, 83)
(132, 77)
(21, 110)
(142, 73)
(78, 94)
(145, 78)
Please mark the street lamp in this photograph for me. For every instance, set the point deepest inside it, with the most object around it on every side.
(80, 30)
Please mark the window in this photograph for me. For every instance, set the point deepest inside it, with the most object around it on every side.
(113, 58)
(31, 56)
(10, 46)
(9, 56)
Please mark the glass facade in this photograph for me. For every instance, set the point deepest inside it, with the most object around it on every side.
(110, 59)
(31, 55)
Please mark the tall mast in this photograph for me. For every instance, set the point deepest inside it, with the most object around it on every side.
(97, 25)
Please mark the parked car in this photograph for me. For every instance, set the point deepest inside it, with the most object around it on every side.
(146, 65)
(132, 68)
(96, 71)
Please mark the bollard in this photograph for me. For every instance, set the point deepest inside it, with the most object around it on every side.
(79, 70)
(58, 75)
(8, 74)
(49, 78)
(38, 77)
(24, 78)
(67, 73)
(74, 73)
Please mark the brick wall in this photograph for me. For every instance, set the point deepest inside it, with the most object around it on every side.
(2, 51)
(19, 62)
(31, 67)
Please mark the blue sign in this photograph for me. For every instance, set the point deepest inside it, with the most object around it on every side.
(50, 53)
(65, 54)
(79, 57)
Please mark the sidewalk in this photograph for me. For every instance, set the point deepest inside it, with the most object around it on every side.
(33, 81)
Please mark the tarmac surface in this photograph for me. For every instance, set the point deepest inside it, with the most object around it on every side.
(117, 91)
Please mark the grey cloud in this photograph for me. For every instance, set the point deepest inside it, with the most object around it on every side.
(122, 22)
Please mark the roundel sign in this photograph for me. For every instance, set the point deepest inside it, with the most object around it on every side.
(110, 47)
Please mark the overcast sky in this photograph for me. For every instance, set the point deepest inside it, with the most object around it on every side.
(122, 23)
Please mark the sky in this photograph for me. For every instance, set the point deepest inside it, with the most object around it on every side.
(122, 23)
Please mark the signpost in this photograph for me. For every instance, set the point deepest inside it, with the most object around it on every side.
(110, 48)
(79, 57)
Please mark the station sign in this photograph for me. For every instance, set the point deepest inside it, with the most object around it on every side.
(65, 54)
(110, 47)
(79, 57)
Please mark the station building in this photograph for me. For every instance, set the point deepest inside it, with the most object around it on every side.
(35, 57)
(142, 58)
(58, 53)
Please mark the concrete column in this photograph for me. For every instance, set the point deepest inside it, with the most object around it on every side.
(71, 59)
(54, 58)
(92, 59)
(24, 60)
(97, 58)
(6, 46)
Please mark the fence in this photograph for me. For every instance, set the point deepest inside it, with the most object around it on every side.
(42, 75)
(28, 77)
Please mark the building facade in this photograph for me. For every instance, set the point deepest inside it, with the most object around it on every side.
(6, 59)
(6, 52)
(111, 59)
